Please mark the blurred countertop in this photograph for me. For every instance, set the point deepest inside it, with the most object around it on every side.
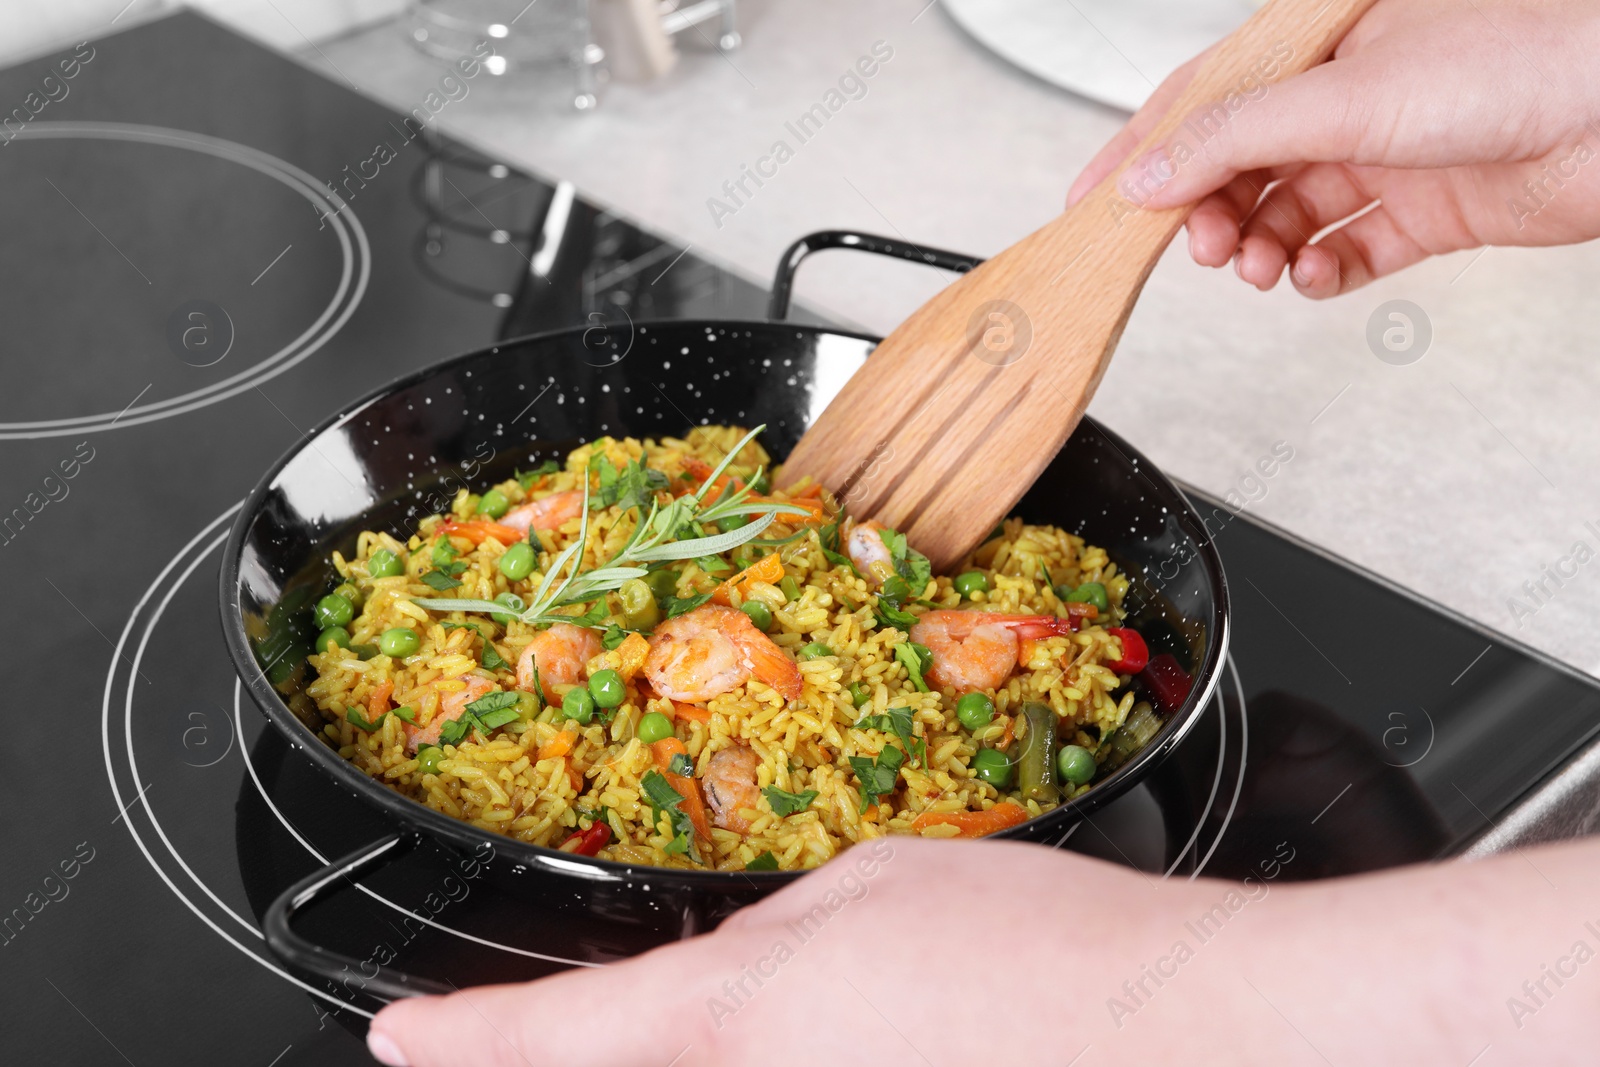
(1460, 476)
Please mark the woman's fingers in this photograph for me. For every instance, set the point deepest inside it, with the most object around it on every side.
(1290, 215)
(1317, 116)
(1365, 248)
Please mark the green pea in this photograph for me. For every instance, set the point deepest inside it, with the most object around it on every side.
(663, 583)
(971, 582)
(859, 694)
(992, 766)
(815, 650)
(1090, 593)
(517, 561)
(761, 485)
(655, 727)
(607, 688)
(729, 523)
(790, 587)
(493, 504)
(333, 635)
(350, 593)
(385, 564)
(428, 759)
(759, 614)
(364, 652)
(400, 642)
(578, 704)
(333, 610)
(512, 601)
(975, 710)
(1076, 764)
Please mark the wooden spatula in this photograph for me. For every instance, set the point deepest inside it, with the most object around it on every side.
(959, 409)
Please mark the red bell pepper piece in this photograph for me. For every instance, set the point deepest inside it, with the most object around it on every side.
(590, 841)
(1168, 683)
(1135, 653)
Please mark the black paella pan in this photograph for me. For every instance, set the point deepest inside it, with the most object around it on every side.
(401, 452)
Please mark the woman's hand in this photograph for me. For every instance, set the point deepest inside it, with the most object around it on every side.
(949, 952)
(1466, 122)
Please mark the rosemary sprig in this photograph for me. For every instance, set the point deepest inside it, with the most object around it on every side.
(654, 540)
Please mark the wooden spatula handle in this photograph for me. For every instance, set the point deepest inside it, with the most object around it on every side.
(958, 411)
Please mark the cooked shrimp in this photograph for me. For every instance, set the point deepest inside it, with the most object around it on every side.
(978, 649)
(546, 513)
(730, 784)
(867, 551)
(713, 649)
(451, 704)
(561, 654)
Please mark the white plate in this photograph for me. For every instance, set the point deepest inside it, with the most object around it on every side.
(1113, 51)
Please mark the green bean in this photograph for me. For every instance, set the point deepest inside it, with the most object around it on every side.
(639, 608)
(512, 601)
(1036, 766)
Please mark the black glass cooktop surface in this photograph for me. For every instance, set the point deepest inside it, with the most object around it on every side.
(181, 301)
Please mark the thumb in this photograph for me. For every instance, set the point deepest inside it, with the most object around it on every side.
(1321, 115)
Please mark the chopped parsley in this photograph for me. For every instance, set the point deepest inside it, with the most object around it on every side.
(440, 580)
(677, 605)
(527, 478)
(493, 710)
(764, 862)
(356, 719)
(916, 659)
(909, 564)
(663, 798)
(785, 803)
(712, 564)
(877, 777)
(896, 721)
(406, 715)
(613, 637)
(633, 486)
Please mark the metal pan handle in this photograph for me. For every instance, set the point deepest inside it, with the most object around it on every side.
(783, 280)
(372, 979)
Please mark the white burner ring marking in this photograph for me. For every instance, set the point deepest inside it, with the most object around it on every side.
(345, 225)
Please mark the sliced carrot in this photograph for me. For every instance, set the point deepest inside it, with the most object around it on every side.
(692, 711)
(1010, 734)
(480, 530)
(1024, 651)
(631, 655)
(974, 823)
(702, 470)
(575, 776)
(559, 745)
(694, 804)
(768, 569)
(378, 702)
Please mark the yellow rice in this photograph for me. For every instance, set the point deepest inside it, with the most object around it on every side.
(499, 784)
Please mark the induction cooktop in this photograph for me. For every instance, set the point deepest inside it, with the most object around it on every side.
(182, 298)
